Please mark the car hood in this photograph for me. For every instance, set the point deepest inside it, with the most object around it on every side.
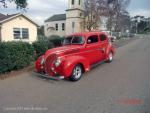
(64, 50)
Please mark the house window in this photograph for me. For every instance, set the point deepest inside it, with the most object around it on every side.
(79, 2)
(72, 2)
(17, 33)
(63, 26)
(25, 33)
(73, 27)
(56, 27)
(21, 33)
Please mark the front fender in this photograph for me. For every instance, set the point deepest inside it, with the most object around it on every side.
(71, 61)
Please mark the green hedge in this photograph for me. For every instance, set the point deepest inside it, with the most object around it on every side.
(41, 46)
(15, 55)
(44, 44)
(56, 40)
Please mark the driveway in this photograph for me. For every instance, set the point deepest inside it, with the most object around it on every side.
(119, 87)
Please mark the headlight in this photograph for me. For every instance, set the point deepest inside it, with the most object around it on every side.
(42, 61)
(57, 62)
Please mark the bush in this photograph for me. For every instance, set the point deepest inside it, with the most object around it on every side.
(41, 37)
(56, 40)
(44, 44)
(41, 46)
(15, 55)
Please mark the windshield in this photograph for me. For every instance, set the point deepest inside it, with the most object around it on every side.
(73, 40)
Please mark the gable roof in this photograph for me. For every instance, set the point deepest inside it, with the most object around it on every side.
(2, 16)
(5, 18)
(57, 17)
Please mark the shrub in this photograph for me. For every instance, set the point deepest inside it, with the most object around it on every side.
(56, 40)
(15, 55)
(40, 47)
(41, 37)
(44, 44)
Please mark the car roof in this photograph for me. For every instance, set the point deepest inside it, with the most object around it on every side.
(88, 33)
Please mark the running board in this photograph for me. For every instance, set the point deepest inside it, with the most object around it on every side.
(97, 64)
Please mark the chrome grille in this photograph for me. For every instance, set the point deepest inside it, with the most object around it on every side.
(49, 62)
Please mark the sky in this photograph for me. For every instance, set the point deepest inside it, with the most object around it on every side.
(40, 10)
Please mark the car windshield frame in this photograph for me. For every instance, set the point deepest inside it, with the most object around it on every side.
(72, 39)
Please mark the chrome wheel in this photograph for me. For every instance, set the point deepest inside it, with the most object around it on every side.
(76, 73)
(110, 56)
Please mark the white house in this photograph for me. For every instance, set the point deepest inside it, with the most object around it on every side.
(71, 22)
(65, 24)
(17, 27)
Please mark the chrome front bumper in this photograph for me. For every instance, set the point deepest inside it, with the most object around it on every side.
(49, 77)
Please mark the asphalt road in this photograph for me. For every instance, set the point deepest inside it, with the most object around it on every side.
(122, 86)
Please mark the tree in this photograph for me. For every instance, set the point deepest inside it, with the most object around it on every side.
(121, 14)
(111, 7)
(93, 10)
(117, 13)
(20, 4)
(90, 11)
(141, 26)
(41, 30)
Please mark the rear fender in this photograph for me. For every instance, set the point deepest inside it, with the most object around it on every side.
(109, 49)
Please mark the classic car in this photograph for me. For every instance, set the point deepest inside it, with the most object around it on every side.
(80, 51)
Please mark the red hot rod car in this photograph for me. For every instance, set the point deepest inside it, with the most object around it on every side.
(79, 52)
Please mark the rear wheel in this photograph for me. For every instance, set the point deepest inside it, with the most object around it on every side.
(76, 73)
(110, 57)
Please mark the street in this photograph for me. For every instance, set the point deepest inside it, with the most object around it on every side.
(122, 86)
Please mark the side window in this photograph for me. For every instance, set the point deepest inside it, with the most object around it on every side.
(63, 26)
(25, 33)
(79, 2)
(56, 27)
(17, 33)
(72, 2)
(92, 39)
(103, 37)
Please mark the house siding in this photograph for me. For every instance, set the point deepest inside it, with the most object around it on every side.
(59, 32)
(18, 22)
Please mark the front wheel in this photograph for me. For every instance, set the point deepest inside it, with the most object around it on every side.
(76, 73)
(110, 57)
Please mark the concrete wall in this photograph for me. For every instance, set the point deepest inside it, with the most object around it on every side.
(19, 22)
(49, 31)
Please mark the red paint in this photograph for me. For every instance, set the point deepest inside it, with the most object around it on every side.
(70, 55)
(131, 101)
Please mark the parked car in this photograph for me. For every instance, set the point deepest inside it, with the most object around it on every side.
(78, 54)
(111, 35)
(112, 38)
